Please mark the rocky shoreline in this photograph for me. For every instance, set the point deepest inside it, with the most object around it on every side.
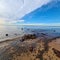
(29, 47)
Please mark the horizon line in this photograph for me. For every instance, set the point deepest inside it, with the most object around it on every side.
(36, 24)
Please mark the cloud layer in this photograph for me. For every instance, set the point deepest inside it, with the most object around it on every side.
(12, 10)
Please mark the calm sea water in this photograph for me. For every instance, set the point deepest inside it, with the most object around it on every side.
(14, 31)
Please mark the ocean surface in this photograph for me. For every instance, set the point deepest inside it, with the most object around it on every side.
(19, 30)
(12, 31)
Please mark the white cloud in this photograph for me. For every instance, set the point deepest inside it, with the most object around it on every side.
(15, 21)
(31, 5)
(42, 24)
(12, 10)
(8, 8)
(4, 21)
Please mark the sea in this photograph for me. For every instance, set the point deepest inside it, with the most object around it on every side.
(20, 30)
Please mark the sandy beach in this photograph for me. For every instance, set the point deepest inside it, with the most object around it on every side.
(26, 48)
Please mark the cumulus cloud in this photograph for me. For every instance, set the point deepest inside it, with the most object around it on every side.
(14, 9)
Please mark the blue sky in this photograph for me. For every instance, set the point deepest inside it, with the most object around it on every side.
(42, 12)
(49, 13)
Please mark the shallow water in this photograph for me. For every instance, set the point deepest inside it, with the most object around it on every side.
(14, 31)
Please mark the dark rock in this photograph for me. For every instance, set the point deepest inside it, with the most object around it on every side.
(22, 40)
(43, 34)
(16, 34)
(29, 36)
(6, 34)
(56, 52)
(21, 28)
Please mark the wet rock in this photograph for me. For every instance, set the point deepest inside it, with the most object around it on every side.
(56, 52)
(22, 40)
(29, 36)
(6, 34)
(16, 34)
(21, 28)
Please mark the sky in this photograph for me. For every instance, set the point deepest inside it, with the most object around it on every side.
(33, 12)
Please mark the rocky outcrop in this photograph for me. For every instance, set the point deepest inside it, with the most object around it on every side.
(29, 36)
(56, 52)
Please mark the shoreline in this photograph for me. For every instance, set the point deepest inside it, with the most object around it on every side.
(10, 39)
(22, 36)
(38, 48)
